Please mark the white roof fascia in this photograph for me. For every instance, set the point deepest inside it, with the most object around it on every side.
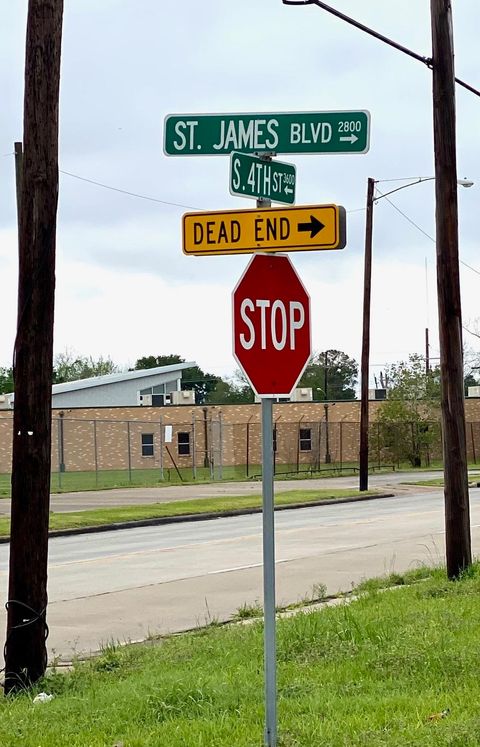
(71, 386)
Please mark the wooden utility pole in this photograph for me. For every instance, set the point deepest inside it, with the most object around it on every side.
(364, 372)
(457, 512)
(25, 648)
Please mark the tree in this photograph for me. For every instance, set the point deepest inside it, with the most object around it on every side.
(192, 378)
(152, 361)
(406, 422)
(469, 380)
(70, 367)
(471, 366)
(331, 375)
(6, 380)
(232, 390)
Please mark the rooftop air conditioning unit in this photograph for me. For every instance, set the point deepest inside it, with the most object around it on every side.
(474, 391)
(302, 394)
(377, 394)
(6, 401)
(186, 397)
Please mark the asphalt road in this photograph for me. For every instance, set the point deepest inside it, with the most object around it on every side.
(124, 585)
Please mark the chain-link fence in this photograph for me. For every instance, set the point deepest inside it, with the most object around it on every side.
(102, 453)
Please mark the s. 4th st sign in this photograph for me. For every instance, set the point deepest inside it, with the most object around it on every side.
(271, 325)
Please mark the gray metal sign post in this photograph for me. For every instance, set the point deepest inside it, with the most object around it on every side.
(268, 519)
(269, 574)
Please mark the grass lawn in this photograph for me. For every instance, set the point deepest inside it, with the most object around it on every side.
(438, 482)
(102, 516)
(66, 482)
(391, 669)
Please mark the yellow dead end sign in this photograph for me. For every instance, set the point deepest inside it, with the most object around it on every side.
(304, 228)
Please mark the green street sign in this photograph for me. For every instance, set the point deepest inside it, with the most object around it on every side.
(251, 176)
(293, 132)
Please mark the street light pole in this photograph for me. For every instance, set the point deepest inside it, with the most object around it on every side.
(367, 282)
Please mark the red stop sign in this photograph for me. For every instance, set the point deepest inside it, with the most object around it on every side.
(271, 325)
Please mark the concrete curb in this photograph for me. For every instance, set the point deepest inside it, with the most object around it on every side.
(203, 517)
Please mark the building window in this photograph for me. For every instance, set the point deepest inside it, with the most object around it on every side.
(183, 444)
(147, 444)
(305, 437)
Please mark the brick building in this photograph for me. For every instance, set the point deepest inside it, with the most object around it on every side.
(107, 438)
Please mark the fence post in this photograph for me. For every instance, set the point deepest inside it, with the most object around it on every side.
(379, 461)
(298, 446)
(220, 435)
(194, 460)
(319, 445)
(95, 453)
(275, 445)
(61, 415)
(129, 454)
(161, 450)
(59, 454)
(341, 446)
(211, 455)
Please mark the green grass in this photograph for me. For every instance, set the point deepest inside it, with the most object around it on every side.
(70, 482)
(103, 516)
(392, 669)
(439, 481)
(67, 482)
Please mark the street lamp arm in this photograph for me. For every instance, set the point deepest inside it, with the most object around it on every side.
(461, 182)
(404, 186)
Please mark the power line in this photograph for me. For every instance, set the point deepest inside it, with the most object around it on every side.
(470, 267)
(428, 61)
(126, 192)
(191, 207)
(407, 217)
(419, 228)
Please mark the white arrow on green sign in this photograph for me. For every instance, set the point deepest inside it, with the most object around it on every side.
(251, 176)
(291, 132)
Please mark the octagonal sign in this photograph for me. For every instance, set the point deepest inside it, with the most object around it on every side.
(271, 325)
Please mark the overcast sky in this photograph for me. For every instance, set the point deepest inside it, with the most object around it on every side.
(124, 288)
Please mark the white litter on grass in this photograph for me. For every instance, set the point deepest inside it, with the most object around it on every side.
(42, 698)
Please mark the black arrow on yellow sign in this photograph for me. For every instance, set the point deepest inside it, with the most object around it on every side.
(315, 226)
